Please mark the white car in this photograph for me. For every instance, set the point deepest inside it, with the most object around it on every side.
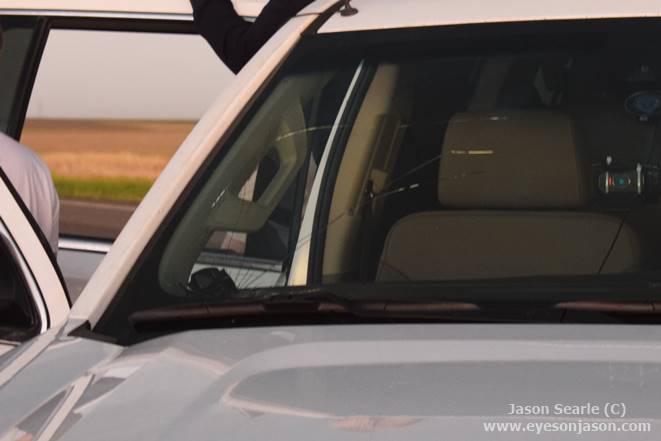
(401, 220)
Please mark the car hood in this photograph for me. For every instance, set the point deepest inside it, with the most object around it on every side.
(395, 382)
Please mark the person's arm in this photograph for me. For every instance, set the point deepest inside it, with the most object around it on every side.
(234, 39)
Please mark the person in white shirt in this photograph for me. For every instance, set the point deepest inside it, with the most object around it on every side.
(32, 180)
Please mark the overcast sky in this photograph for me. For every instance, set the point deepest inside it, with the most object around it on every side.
(94, 74)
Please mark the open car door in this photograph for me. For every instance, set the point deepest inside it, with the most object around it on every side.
(33, 296)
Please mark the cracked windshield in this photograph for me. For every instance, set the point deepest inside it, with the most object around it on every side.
(427, 166)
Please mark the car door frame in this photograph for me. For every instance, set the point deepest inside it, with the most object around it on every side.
(32, 254)
(48, 20)
(28, 76)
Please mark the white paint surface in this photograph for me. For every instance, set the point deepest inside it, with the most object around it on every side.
(35, 257)
(244, 7)
(384, 14)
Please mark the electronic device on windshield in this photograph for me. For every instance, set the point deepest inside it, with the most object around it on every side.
(628, 182)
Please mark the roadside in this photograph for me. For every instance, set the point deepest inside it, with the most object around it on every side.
(102, 168)
(100, 220)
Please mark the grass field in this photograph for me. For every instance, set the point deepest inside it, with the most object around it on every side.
(110, 160)
(102, 189)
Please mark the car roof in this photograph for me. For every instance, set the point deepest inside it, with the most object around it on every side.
(385, 14)
(372, 15)
(246, 8)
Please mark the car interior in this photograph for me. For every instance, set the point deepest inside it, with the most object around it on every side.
(500, 167)
(469, 166)
(249, 195)
(464, 168)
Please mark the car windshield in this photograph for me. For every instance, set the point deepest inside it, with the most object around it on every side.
(427, 156)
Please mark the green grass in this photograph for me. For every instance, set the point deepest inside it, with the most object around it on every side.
(102, 189)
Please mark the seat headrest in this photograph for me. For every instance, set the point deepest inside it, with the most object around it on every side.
(522, 159)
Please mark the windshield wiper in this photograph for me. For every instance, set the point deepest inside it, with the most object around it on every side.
(525, 300)
(310, 304)
(613, 307)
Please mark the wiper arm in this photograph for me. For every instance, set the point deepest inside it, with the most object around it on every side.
(613, 307)
(287, 304)
(528, 300)
(316, 303)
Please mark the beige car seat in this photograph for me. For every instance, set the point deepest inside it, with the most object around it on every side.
(514, 187)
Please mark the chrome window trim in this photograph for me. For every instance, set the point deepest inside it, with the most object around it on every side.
(84, 245)
(33, 286)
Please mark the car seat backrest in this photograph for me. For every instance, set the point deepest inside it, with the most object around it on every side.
(514, 189)
(511, 160)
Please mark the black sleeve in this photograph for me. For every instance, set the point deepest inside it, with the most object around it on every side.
(234, 39)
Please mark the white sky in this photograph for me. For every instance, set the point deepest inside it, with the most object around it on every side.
(96, 74)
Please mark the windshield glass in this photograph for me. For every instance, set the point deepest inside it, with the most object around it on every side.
(470, 153)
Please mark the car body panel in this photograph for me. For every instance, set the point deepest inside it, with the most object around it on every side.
(35, 257)
(330, 382)
(387, 14)
(156, 9)
(161, 7)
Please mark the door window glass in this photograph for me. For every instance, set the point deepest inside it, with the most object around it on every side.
(107, 112)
